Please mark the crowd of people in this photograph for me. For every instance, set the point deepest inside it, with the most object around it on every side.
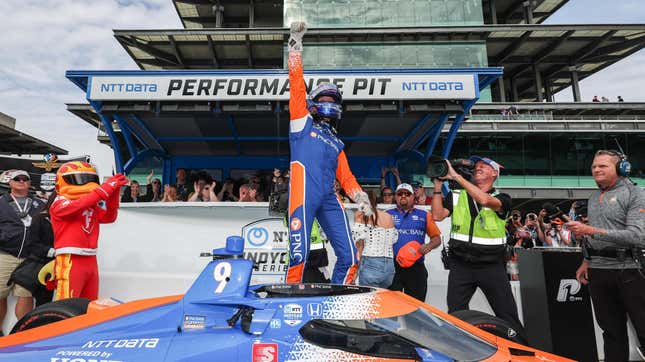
(595, 99)
(200, 186)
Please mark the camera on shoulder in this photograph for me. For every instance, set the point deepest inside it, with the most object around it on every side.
(438, 168)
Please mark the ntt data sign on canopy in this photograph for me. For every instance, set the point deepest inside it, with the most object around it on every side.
(276, 87)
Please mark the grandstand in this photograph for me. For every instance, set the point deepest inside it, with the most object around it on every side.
(546, 148)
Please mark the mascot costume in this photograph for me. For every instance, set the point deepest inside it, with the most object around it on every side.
(82, 204)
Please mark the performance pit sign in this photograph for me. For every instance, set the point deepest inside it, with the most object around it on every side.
(262, 87)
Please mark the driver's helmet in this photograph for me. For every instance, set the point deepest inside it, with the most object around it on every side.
(331, 110)
(75, 179)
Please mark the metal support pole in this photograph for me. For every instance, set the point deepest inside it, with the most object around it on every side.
(502, 89)
(547, 90)
(492, 8)
(538, 83)
(514, 95)
(528, 12)
(575, 84)
(251, 14)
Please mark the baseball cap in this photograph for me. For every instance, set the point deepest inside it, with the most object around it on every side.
(416, 184)
(408, 254)
(496, 166)
(17, 173)
(405, 187)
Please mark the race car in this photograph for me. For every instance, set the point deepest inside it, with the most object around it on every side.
(222, 318)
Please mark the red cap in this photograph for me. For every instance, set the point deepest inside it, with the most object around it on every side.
(409, 254)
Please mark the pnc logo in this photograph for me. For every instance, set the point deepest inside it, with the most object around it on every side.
(296, 224)
(265, 352)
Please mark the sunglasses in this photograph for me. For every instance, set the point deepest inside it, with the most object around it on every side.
(21, 179)
(388, 194)
(156, 182)
(403, 194)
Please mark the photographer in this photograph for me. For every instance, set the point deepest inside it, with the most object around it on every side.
(614, 253)
(477, 246)
(530, 235)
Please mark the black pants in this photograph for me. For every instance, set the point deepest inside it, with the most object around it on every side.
(615, 294)
(463, 280)
(412, 281)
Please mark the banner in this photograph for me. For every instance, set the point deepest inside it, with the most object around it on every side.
(266, 242)
(263, 87)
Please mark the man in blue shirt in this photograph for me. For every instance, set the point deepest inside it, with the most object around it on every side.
(413, 224)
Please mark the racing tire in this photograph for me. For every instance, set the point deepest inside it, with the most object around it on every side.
(493, 325)
(52, 312)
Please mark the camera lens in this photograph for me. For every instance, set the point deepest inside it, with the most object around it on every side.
(437, 169)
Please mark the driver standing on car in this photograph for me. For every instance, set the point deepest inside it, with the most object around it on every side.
(477, 245)
(317, 159)
(82, 204)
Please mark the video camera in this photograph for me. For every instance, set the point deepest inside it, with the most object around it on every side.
(279, 201)
(438, 168)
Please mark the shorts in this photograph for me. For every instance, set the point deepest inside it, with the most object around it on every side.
(8, 263)
(376, 271)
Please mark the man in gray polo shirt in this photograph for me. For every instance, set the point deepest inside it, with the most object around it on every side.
(613, 265)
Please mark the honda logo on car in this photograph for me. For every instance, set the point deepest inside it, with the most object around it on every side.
(568, 290)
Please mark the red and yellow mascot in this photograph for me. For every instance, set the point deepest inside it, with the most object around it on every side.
(82, 204)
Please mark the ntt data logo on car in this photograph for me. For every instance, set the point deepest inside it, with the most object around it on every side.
(265, 352)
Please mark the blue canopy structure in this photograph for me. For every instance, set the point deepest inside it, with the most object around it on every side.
(224, 119)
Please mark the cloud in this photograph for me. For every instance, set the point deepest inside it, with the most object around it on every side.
(43, 39)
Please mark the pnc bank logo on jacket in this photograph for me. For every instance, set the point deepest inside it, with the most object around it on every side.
(568, 290)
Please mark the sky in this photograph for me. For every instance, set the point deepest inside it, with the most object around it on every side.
(41, 39)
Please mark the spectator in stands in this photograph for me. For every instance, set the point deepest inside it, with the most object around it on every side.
(530, 234)
(245, 194)
(420, 197)
(387, 196)
(604, 99)
(514, 222)
(16, 212)
(204, 188)
(256, 185)
(226, 193)
(375, 237)
(574, 206)
(504, 113)
(385, 171)
(340, 193)
(169, 193)
(557, 237)
(131, 193)
(513, 112)
(182, 185)
(153, 189)
(595, 99)
(620, 99)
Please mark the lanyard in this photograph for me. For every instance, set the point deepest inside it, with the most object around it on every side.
(22, 213)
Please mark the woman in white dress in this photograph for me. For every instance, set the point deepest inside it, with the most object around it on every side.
(374, 237)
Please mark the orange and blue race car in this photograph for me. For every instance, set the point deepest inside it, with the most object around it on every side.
(222, 318)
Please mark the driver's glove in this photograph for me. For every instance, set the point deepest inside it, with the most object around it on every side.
(363, 202)
(298, 30)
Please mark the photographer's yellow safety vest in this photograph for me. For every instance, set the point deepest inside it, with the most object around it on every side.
(488, 228)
